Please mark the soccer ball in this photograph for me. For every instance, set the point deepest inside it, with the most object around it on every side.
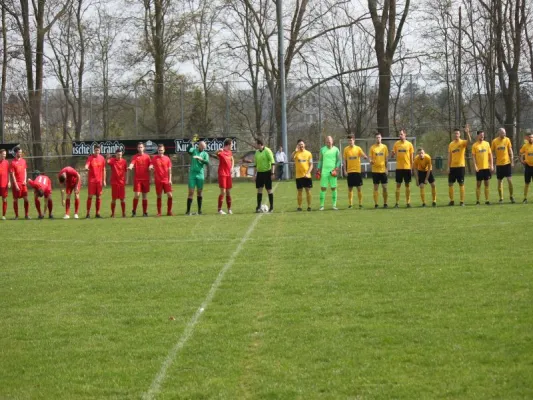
(264, 208)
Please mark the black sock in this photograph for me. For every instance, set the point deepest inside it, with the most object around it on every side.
(199, 202)
(271, 200)
(259, 199)
(189, 202)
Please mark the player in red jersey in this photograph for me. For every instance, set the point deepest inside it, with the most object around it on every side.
(19, 177)
(119, 175)
(225, 183)
(70, 181)
(162, 167)
(42, 186)
(5, 182)
(141, 183)
(97, 179)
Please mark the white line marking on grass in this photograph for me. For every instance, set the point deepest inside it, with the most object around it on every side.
(189, 329)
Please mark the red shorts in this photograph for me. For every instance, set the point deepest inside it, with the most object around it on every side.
(3, 192)
(225, 182)
(95, 189)
(118, 192)
(162, 187)
(141, 186)
(47, 193)
(19, 194)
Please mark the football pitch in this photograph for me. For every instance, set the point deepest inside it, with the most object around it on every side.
(417, 303)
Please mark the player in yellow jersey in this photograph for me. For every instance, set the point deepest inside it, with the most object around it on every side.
(352, 169)
(456, 164)
(482, 156)
(404, 152)
(378, 155)
(526, 156)
(303, 166)
(424, 175)
(503, 151)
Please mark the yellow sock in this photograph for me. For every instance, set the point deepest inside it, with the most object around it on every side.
(450, 192)
(309, 198)
(510, 188)
(397, 195)
(478, 193)
(526, 189)
(360, 196)
(423, 195)
(462, 193)
(376, 195)
(408, 194)
(434, 194)
(385, 196)
(500, 190)
(350, 197)
(486, 193)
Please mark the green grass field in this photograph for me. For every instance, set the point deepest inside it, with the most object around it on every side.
(355, 304)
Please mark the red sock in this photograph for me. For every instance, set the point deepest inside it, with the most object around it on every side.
(123, 205)
(89, 204)
(220, 201)
(38, 205)
(169, 205)
(145, 206)
(98, 205)
(16, 207)
(228, 201)
(113, 208)
(4, 208)
(67, 207)
(135, 204)
(50, 206)
(76, 205)
(158, 205)
(26, 207)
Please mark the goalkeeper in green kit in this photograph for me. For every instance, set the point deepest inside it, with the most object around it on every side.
(329, 163)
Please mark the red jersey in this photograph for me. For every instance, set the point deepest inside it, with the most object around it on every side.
(72, 176)
(161, 167)
(4, 173)
(96, 165)
(41, 182)
(225, 158)
(18, 167)
(119, 169)
(141, 164)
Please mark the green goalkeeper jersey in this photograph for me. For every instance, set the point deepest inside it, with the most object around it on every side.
(197, 166)
(329, 159)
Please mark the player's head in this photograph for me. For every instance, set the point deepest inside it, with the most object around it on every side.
(329, 141)
(18, 152)
(456, 134)
(402, 134)
(227, 143)
(421, 153)
(378, 137)
(201, 145)
(259, 144)
(140, 147)
(280, 148)
(351, 139)
(480, 135)
(501, 133)
(3, 154)
(300, 144)
(62, 178)
(39, 192)
(161, 149)
(529, 138)
(96, 149)
(118, 154)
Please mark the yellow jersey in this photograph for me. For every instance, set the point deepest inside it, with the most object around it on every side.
(352, 155)
(403, 152)
(501, 147)
(423, 164)
(527, 151)
(456, 151)
(481, 153)
(379, 154)
(302, 163)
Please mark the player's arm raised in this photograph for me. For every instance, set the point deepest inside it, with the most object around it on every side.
(467, 131)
